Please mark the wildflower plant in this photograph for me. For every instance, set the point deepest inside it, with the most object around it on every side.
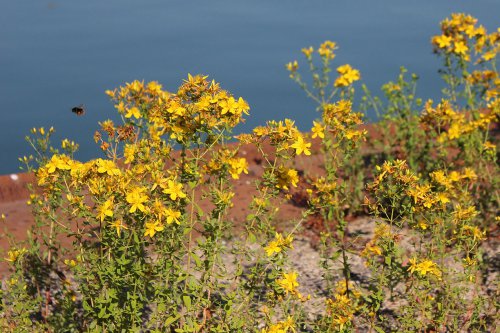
(463, 45)
(401, 136)
(332, 196)
(135, 261)
(142, 238)
(441, 217)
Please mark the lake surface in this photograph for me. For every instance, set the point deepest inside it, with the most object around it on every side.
(56, 55)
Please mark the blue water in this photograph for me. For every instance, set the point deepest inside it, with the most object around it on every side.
(59, 54)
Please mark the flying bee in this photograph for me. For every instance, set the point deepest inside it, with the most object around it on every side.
(78, 110)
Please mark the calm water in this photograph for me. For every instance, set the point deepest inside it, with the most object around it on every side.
(55, 55)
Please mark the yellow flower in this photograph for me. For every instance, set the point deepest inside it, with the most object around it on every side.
(375, 249)
(475, 232)
(454, 176)
(427, 266)
(326, 50)
(61, 162)
(292, 66)
(301, 146)
(152, 228)
(469, 173)
(489, 146)
(289, 282)
(460, 48)
(423, 225)
(440, 177)
(462, 214)
(118, 225)
(70, 262)
(174, 189)
(487, 56)
(107, 166)
(308, 51)
(371, 249)
(135, 86)
(136, 198)
(279, 244)
(424, 267)
(238, 166)
(154, 87)
(133, 112)
(13, 255)
(243, 106)
(172, 216)
(272, 248)
(129, 153)
(286, 177)
(120, 107)
(176, 108)
(348, 75)
(350, 134)
(281, 327)
(443, 198)
(318, 130)
(228, 106)
(106, 209)
(442, 41)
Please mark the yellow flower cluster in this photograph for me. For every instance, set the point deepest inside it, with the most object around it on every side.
(281, 327)
(342, 307)
(451, 124)
(382, 234)
(100, 177)
(463, 214)
(226, 159)
(423, 196)
(342, 122)
(448, 179)
(475, 232)
(279, 244)
(133, 99)
(325, 50)
(460, 34)
(237, 167)
(282, 134)
(289, 284)
(286, 177)
(14, 254)
(424, 267)
(292, 67)
(198, 106)
(487, 81)
(322, 192)
(398, 169)
(347, 76)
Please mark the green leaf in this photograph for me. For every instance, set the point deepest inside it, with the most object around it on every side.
(196, 259)
(171, 320)
(187, 301)
(251, 237)
(102, 313)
